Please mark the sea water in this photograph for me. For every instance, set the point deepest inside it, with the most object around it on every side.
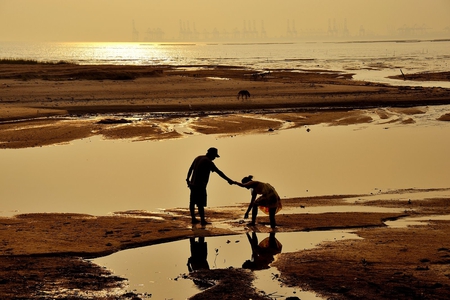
(370, 61)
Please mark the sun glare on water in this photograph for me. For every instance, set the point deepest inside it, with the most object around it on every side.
(120, 53)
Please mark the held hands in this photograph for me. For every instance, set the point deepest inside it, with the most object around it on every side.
(238, 184)
(246, 215)
(231, 182)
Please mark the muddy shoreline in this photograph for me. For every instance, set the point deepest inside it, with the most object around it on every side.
(44, 255)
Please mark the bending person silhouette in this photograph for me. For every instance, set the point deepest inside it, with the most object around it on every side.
(200, 169)
(269, 201)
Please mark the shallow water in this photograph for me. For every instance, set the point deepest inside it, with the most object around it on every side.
(416, 221)
(98, 177)
(164, 278)
(404, 195)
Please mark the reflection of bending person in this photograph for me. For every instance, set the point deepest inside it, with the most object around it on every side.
(262, 253)
(199, 255)
(269, 198)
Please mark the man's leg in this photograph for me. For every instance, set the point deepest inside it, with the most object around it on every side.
(201, 211)
(193, 200)
(192, 210)
(201, 206)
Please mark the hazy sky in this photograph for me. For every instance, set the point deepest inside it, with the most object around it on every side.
(111, 20)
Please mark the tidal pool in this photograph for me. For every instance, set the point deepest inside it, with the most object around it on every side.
(159, 271)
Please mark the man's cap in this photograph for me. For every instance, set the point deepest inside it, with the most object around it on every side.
(213, 152)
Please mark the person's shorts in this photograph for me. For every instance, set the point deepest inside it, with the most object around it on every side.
(265, 203)
(270, 201)
(198, 196)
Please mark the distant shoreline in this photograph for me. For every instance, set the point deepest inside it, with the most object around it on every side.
(273, 41)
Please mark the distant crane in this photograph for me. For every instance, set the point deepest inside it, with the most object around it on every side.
(135, 37)
(332, 29)
(263, 30)
(345, 32)
(294, 31)
(362, 31)
(291, 31)
(410, 31)
(244, 30)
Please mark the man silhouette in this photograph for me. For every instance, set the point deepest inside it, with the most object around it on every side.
(200, 169)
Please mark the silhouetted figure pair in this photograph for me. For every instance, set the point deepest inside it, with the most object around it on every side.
(197, 180)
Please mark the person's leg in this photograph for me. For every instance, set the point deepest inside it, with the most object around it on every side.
(272, 212)
(201, 206)
(192, 202)
(192, 210)
(254, 214)
(272, 240)
(201, 212)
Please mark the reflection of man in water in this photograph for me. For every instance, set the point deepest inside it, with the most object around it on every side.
(262, 253)
(200, 169)
(199, 255)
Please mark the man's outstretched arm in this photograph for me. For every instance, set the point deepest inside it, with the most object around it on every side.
(221, 174)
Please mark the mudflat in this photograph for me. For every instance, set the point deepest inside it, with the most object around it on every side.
(73, 102)
(43, 255)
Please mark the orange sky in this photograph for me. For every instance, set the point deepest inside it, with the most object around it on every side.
(111, 20)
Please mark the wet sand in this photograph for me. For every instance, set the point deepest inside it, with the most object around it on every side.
(68, 101)
(49, 104)
(42, 253)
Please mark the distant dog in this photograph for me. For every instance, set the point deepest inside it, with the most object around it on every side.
(244, 94)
